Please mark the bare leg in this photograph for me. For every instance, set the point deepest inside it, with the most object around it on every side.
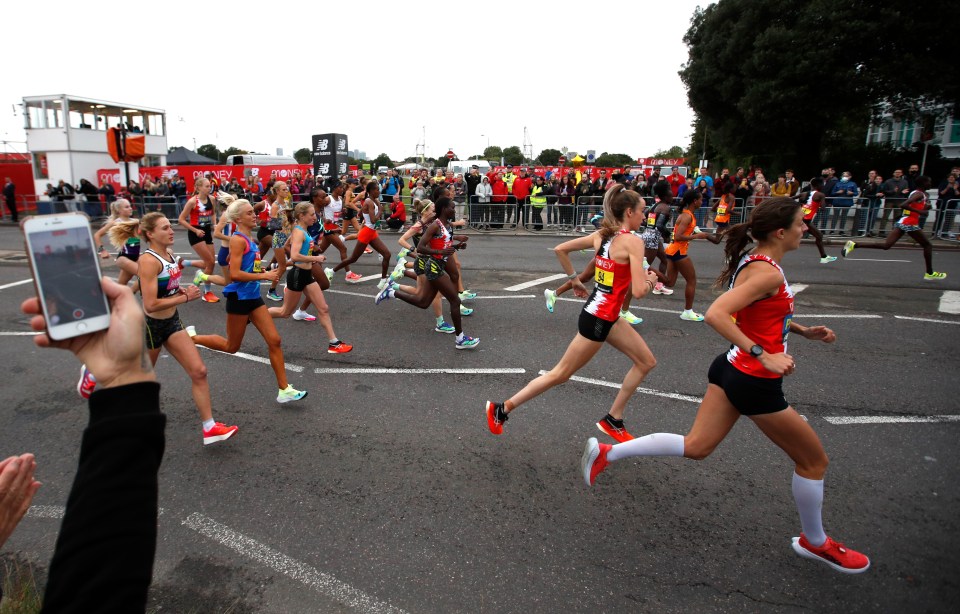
(184, 351)
(264, 323)
(625, 338)
(578, 353)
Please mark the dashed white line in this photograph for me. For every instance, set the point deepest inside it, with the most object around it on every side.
(853, 316)
(260, 359)
(657, 393)
(950, 302)
(875, 260)
(927, 320)
(351, 293)
(535, 282)
(323, 583)
(889, 419)
(389, 371)
(16, 283)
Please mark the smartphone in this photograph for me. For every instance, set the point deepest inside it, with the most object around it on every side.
(66, 273)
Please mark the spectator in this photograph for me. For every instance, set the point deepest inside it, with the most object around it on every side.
(10, 198)
(895, 191)
(704, 175)
(459, 189)
(482, 196)
(509, 178)
(106, 192)
(705, 195)
(870, 192)
(418, 191)
(565, 192)
(844, 193)
(913, 171)
(792, 183)
(498, 211)
(780, 188)
(398, 213)
(389, 186)
(583, 190)
(675, 179)
(538, 204)
(761, 189)
(829, 177)
(521, 191)
(67, 195)
(136, 192)
(743, 193)
(948, 194)
(473, 180)
(685, 187)
(600, 187)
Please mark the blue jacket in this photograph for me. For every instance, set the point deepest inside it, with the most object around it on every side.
(843, 193)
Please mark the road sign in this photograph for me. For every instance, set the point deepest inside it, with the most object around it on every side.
(562, 160)
(451, 155)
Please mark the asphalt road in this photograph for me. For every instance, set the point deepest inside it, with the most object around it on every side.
(385, 491)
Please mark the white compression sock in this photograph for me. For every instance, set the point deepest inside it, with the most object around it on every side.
(808, 495)
(656, 444)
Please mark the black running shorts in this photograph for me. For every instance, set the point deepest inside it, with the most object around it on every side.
(751, 395)
(298, 279)
(207, 237)
(430, 267)
(241, 307)
(158, 331)
(592, 327)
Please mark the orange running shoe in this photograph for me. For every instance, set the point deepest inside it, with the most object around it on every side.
(594, 460)
(832, 553)
(219, 432)
(495, 417)
(614, 428)
(338, 348)
(368, 251)
(210, 297)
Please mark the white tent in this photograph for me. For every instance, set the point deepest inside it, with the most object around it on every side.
(408, 167)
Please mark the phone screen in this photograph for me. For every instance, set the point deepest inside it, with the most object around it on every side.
(68, 277)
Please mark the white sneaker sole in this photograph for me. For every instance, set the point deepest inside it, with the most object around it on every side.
(281, 399)
(590, 453)
(209, 440)
(813, 557)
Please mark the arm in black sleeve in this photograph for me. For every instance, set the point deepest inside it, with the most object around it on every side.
(103, 560)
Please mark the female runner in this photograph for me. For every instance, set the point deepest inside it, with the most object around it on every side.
(197, 218)
(434, 250)
(656, 233)
(426, 214)
(755, 315)
(909, 224)
(724, 208)
(300, 278)
(160, 287)
(678, 261)
(121, 212)
(810, 208)
(333, 211)
(368, 236)
(244, 304)
(619, 263)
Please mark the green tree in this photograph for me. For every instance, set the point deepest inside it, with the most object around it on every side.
(210, 151)
(234, 151)
(674, 152)
(614, 160)
(549, 157)
(781, 99)
(303, 155)
(513, 155)
(382, 160)
(492, 153)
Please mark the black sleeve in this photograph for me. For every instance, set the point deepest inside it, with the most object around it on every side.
(103, 560)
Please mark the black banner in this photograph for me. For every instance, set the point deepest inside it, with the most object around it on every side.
(330, 154)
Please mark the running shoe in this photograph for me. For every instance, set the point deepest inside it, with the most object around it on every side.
(934, 276)
(445, 327)
(87, 383)
(385, 293)
(301, 315)
(191, 331)
(496, 416)
(218, 432)
(467, 342)
(832, 553)
(596, 219)
(402, 253)
(290, 394)
(614, 428)
(397, 273)
(338, 348)
(329, 273)
(827, 259)
(352, 277)
(662, 289)
(594, 460)
(467, 295)
(210, 297)
(368, 250)
(691, 316)
(465, 311)
(630, 318)
(273, 296)
(384, 281)
(847, 248)
(551, 298)
(182, 264)
(200, 278)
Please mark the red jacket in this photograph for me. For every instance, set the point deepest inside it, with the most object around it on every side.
(521, 187)
(675, 182)
(499, 191)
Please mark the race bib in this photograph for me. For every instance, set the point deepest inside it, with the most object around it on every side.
(651, 220)
(807, 211)
(722, 210)
(257, 265)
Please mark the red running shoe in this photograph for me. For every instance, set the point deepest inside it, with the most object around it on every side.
(614, 428)
(338, 348)
(219, 432)
(87, 383)
(594, 460)
(832, 553)
(210, 297)
(496, 417)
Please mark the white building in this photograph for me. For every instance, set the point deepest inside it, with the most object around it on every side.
(946, 134)
(67, 136)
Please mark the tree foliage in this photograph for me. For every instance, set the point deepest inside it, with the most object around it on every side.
(209, 150)
(513, 155)
(549, 157)
(492, 153)
(234, 151)
(775, 80)
(674, 152)
(382, 160)
(303, 155)
(614, 160)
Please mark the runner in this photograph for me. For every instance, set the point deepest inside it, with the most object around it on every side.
(426, 214)
(434, 250)
(281, 211)
(222, 232)
(909, 224)
(656, 233)
(724, 207)
(244, 304)
(354, 196)
(121, 212)
(619, 263)
(300, 278)
(333, 211)
(368, 236)
(267, 224)
(811, 205)
(197, 218)
(160, 287)
(679, 263)
(755, 316)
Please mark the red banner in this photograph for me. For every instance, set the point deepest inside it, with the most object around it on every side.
(223, 174)
(592, 171)
(660, 161)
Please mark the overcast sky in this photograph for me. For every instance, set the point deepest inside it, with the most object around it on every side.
(598, 75)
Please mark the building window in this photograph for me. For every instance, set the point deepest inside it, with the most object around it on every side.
(954, 130)
(40, 170)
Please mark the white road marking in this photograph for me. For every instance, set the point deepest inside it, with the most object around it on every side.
(323, 583)
(351, 293)
(798, 288)
(16, 283)
(478, 298)
(855, 316)
(889, 419)
(260, 359)
(657, 393)
(926, 320)
(376, 370)
(950, 302)
(12, 334)
(875, 260)
(535, 282)
(368, 278)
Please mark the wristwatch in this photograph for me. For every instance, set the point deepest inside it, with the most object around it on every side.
(756, 351)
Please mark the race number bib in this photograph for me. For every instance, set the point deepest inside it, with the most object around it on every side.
(651, 220)
(257, 265)
(721, 210)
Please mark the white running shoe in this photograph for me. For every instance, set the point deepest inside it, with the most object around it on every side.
(329, 273)
(299, 314)
(289, 394)
(827, 259)
(691, 316)
(662, 289)
(551, 299)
